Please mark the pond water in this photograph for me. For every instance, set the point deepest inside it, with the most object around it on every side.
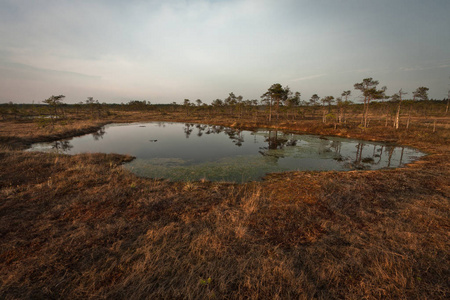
(179, 151)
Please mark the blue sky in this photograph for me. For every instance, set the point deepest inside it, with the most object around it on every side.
(165, 51)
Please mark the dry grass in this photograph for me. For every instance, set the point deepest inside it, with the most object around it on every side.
(19, 134)
(82, 227)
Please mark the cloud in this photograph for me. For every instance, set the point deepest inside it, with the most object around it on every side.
(411, 69)
(308, 77)
(427, 65)
(176, 49)
(43, 71)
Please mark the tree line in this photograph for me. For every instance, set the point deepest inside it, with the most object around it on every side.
(276, 104)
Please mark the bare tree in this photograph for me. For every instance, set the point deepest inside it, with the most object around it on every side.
(448, 100)
(398, 97)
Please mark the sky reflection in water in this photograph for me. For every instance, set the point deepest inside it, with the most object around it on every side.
(178, 151)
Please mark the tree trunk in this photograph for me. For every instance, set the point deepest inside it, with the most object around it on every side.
(277, 107)
(448, 100)
(366, 115)
(363, 112)
(270, 111)
(401, 156)
(409, 118)
(397, 117)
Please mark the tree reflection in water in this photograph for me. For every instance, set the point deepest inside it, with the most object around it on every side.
(65, 146)
(99, 134)
(235, 135)
(61, 146)
(366, 162)
(275, 142)
(278, 141)
(187, 129)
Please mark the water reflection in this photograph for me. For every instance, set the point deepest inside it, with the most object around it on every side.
(276, 140)
(99, 134)
(61, 146)
(362, 159)
(188, 130)
(235, 135)
(195, 151)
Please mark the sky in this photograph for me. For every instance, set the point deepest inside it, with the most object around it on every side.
(167, 51)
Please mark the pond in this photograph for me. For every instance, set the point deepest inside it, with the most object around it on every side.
(179, 151)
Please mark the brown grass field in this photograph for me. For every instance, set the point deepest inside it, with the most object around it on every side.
(81, 227)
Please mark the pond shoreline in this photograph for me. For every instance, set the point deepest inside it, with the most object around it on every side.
(243, 155)
(287, 128)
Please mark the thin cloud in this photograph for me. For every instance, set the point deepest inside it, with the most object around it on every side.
(410, 69)
(308, 77)
(25, 67)
(417, 68)
(443, 66)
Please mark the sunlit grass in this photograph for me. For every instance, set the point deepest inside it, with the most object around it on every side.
(84, 227)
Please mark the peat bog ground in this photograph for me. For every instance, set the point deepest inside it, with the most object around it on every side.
(83, 227)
